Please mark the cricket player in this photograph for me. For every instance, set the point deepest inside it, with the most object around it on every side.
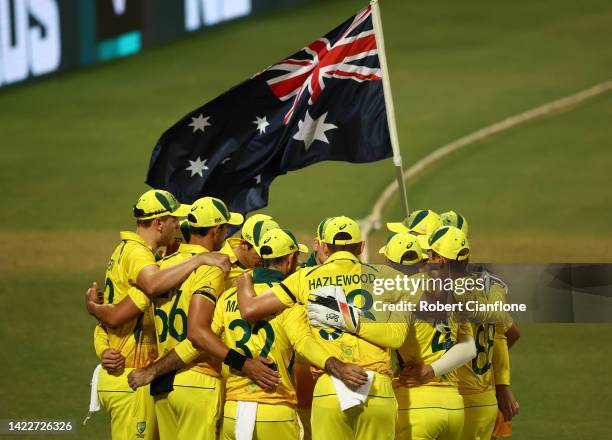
(430, 406)
(179, 394)
(278, 338)
(341, 242)
(507, 405)
(505, 337)
(186, 381)
(242, 251)
(132, 270)
(488, 375)
(477, 383)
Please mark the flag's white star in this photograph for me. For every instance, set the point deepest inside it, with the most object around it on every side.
(200, 123)
(261, 123)
(197, 166)
(226, 160)
(258, 179)
(310, 130)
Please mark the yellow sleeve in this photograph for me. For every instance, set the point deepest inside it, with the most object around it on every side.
(388, 329)
(501, 357)
(135, 259)
(387, 335)
(101, 343)
(288, 290)
(141, 300)
(208, 282)
(186, 351)
(303, 342)
(217, 325)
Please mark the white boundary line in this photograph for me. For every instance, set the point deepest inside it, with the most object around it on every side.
(373, 220)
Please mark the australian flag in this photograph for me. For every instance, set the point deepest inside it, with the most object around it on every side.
(325, 102)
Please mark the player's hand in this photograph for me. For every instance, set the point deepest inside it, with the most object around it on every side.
(217, 259)
(415, 374)
(93, 296)
(352, 375)
(140, 377)
(259, 371)
(506, 402)
(244, 281)
(325, 312)
(113, 361)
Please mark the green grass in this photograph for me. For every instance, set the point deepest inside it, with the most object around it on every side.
(545, 179)
(74, 152)
(75, 148)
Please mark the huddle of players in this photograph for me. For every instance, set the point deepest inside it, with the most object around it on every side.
(172, 328)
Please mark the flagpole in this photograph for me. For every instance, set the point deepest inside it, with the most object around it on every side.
(397, 156)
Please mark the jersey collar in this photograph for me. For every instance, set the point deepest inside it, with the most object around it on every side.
(192, 248)
(342, 255)
(132, 236)
(264, 275)
(228, 249)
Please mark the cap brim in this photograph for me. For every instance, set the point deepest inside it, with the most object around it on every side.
(382, 250)
(303, 248)
(397, 227)
(181, 211)
(235, 219)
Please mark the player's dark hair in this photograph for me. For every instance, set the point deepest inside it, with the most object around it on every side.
(144, 223)
(409, 256)
(352, 248)
(269, 262)
(199, 231)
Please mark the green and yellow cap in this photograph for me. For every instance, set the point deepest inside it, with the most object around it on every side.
(256, 226)
(335, 225)
(422, 222)
(158, 203)
(399, 244)
(320, 228)
(210, 211)
(451, 218)
(278, 243)
(450, 242)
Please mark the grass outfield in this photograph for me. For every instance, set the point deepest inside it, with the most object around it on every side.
(75, 151)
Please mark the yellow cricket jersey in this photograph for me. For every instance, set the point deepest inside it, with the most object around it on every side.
(172, 307)
(277, 338)
(136, 338)
(477, 376)
(345, 270)
(427, 342)
(237, 268)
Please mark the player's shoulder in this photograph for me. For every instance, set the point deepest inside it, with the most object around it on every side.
(171, 259)
(205, 271)
(228, 295)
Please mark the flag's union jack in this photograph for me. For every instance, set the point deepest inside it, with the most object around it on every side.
(323, 103)
(334, 56)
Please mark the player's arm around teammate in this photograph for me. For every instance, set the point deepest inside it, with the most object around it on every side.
(505, 338)
(111, 359)
(208, 220)
(278, 337)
